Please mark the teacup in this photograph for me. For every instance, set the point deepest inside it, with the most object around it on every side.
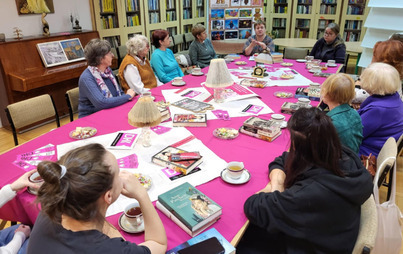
(278, 119)
(235, 169)
(331, 62)
(304, 102)
(35, 178)
(177, 80)
(133, 214)
(309, 58)
(196, 70)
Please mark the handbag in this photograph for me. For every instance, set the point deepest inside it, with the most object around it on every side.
(389, 233)
(369, 163)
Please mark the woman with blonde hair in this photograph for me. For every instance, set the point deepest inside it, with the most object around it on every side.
(135, 71)
(337, 92)
(382, 112)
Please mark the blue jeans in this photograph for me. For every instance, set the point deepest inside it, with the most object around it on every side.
(7, 234)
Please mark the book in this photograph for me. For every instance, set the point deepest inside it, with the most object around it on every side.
(253, 83)
(208, 246)
(164, 110)
(124, 141)
(191, 120)
(190, 206)
(229, 249)
(266, 126)
(233, 56)
(311, 93)
(184, 166)
(259, 135)
(193, 105)
(289, 107)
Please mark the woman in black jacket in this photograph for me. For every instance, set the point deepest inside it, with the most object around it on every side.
(331, 46)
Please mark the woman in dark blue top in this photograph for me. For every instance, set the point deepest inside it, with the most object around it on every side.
(331, 46)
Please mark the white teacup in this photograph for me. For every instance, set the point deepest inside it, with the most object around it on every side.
(133, 214)
(196, 70)
(278, 119)
(35, 178)
(177, 80)
(304, 102)
(331, 62)
(235, 169)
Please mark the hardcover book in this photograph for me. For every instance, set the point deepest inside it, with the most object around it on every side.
(308, 92)
(164, 110)
(193, 105)
(185, 166)
(254, 83)
(228, 248)
(267, 126)
(191, 120)
(189, 206)
(258, 134)
(289, 107)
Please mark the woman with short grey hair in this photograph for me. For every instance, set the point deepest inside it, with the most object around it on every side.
(98, 87)
(135, 71)
(201, 50)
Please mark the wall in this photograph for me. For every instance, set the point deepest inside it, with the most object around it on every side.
(32, 25)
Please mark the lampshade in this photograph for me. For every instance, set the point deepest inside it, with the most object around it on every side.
(144, 113)
(218, 74)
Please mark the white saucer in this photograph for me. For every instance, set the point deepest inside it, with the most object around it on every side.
(283, 125)
(197, 73)
(129, 228)
(245, 177)
(301, 60)
(313, 71)
(331, 65)
(178, 84)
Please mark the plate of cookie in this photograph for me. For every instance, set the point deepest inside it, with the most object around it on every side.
(240, 63)
(82, 132)
(286, 76)
(287, 64)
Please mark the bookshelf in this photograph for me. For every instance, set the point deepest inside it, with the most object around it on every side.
(303, 19)
(117, 21)
(278, 17)
(191, 13)
(327, 11)
(353, 17)
(161, 14)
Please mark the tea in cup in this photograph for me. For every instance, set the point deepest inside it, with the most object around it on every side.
(37, 179)
(133, 214)
(196, 70)
(235, 169)
(177, 80)
(304, 102)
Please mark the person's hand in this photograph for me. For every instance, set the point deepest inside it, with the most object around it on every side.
(254, 42)
(263, 45)
(23, 182)
(24, 229)
(131, 186)
(131, 93)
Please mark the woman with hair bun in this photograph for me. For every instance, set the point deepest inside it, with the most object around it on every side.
(77, 191)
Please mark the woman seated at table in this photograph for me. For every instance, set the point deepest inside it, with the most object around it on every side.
(337, 92)
(12, 239)
(258, 42)
(382, 112)
(135, 71)
(201, 50)
(331, 46)
(77, 191)
(98, 87)
(163, 61)
(314, 194)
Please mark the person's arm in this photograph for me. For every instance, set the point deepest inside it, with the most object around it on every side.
(340, 53)
(248, 47)
(269, 43)
(194, 55)
(133, 79)
(21, 233)
(90, 88)
(9, 191)
(154, 236)
(211, 45)
(371, 120)
(178, 68)
(158, 67)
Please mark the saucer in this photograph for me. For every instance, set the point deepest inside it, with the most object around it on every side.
(129, 228)
(245, 177)
(314, 71)
(178, 84)
(31, 191)
(197, 73)
(331, 65)
(283, 124)
(301, 60)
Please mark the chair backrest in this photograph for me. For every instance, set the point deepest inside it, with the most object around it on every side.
(295, 53)
(368, 227)
(344, 69)
(122, 52)
(178, 41)
(385, 160)
(72, 101)
(188, 39)
(399, 144)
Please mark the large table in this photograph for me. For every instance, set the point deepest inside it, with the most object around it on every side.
(256, 155)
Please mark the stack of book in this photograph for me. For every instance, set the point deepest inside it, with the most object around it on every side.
(184, 166)
(260, 128)
(277, 57)
(312, 93)
(164, 110)
(189, 208)
(289, 107)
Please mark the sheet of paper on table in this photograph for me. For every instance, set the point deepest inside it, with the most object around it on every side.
(234, 108)
(274, 77)
(160, 176)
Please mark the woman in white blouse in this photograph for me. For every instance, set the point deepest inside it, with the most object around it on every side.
(135, 71)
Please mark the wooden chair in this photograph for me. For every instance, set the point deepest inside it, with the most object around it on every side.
(122, 51)
(72, 101)
(25, 113)
(188, 39)
(295, 53)
(344, 69)
(178, 41)
(368, 228)
(384, 163)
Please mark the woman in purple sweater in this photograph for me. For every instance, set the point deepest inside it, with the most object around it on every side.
(382, 112)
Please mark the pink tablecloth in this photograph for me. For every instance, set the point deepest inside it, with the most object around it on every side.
(256, 155)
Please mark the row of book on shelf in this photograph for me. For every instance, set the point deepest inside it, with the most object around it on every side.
(109, 21)
(132, 5)
(279, 22)
(133, 20)
(351, 36)
(355, 10)
(107, 5)
(353, 24)
(327, 9)
(301, 33)
(153, 4)
(304, 9)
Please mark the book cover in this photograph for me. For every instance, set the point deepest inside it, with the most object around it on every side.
(124, 141)
(162, 159)
(229, 249)
(314, 93)
(193, 105)
(253, 83)
(190, 206)
(259, 135)
(289, 107)
(191, 120)
(264, 125)
(301, 92)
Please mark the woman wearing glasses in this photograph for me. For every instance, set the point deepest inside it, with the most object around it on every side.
(331, 46)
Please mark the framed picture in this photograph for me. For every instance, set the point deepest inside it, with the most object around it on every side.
(245, 13)
(34, 6)
(217, 24)
(231, 24)
(60, 52)
(245, 33)
(231, 13)
(217, 35)
(245, 23)
(231, 35)
(217, 13)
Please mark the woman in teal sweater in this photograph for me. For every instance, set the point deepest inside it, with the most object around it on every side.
(201, 50)
(163, 61)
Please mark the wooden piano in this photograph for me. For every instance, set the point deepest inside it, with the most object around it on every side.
(23, 74)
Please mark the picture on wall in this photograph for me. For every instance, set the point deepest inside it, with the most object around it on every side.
(217, 13)
(231, 13)
(217, 24)
(245, 13)
(257, 14)
(245, 23)
(256, 2)
(245, 33)
(219, 3)
(246, 3)
(231, 35)
(34, 6)
(217, 35)
(231, 24)
(60, 52)
(235, 3)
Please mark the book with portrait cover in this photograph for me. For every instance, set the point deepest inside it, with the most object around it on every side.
(254, 83)
(124, 140)
(259, 134)
(189, 120)
(189, 208)
(162, 158)
(266, 126)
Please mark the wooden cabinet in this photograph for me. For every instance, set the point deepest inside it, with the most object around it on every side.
(278, 18)
(327, 11)
(161, 14)
(353, 17)
(192, 12)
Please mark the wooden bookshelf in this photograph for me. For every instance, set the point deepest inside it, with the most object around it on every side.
(161, 14)
(327, 11)
(303, 18)
(353, 16)
(278, 17)
(191, 13)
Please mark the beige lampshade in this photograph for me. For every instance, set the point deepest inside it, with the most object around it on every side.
(218, 74)
(144, 113)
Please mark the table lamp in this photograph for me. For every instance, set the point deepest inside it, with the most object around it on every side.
(145, 114)
(218, 77)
